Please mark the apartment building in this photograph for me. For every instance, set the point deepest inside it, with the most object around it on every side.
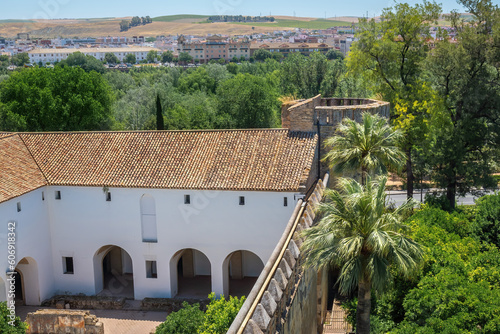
(215, 47)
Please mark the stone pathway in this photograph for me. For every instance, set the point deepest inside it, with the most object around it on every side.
(335, 321)
(116, 321)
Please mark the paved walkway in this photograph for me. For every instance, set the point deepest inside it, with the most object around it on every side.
(116, 321)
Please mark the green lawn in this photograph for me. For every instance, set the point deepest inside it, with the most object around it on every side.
(315, 24)
(171, 18)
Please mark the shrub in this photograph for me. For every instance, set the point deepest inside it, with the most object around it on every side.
(487, 223)
(220, 314)
(185, 321)
(6, 321)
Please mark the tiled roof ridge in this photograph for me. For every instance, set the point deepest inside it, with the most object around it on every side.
(4, 135)
(34, 160)
(159, 131)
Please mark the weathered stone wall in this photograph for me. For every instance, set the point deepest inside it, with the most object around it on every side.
(304, 115)
(86, 302)
(298, 116)
(287, 298)
(63, 321)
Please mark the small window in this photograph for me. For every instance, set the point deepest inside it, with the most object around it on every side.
(151, 269)
(285, 201)
(43, 196)
(18, 206)
(187, 199)
(68, 265)
(242, 200)
(58, 194)
(108, 196)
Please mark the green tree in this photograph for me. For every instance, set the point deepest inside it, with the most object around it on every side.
(262, 54)
(390, 55)
(185, 57)
(487, 219)
(88, 63)
(130, 58)
(334, 55)
(466, 76)
(5, 322)
(124, 25)
(220, 314)
(367, 148)
(185, 321)
(152, 56)
(303, 76)
(247, 101)
(58, 99)
(365, 240)
(111, 58)
(20, 59)
(232, 68)
(458, 288)
(160, 125)
(197, 80)
(167, 56)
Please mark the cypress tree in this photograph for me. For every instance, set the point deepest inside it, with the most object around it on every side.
(159, 114)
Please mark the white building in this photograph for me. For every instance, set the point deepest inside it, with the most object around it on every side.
(145, 214)
(54, 55)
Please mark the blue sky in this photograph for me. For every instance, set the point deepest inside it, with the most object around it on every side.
(53, 9)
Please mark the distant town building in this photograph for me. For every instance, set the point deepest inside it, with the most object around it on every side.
(23, 36)
(215, 47)
(286, 48)
(345, 45)
(54, 55)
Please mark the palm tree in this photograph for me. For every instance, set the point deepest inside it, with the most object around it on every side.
(361, 237)
(367, 147)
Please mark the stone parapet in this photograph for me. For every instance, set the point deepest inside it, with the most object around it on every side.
(324, 115)
(285, 296)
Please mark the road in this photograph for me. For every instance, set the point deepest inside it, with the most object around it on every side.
(398, 197)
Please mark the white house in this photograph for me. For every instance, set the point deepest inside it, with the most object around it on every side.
(55, 55)
(145, 214)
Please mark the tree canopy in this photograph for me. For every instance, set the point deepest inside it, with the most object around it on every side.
(58, 99)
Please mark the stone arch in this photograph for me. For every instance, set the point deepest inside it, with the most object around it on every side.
(240, 271)
(113, 272)
(27, 285)
(190, 274)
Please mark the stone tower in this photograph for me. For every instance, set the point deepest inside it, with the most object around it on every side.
(323, 115)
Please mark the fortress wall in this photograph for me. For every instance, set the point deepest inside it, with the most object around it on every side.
(286, 297)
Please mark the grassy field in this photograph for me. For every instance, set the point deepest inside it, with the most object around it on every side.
(172, 18)
(312, 24)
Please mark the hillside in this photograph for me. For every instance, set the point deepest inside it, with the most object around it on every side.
(163, 25)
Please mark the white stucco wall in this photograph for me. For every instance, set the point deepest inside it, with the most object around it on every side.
(33, 240)
(82, 222)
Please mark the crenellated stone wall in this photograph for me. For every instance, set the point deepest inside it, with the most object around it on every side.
(325, 114)
(286, 297)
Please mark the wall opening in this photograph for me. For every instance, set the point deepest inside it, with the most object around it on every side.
(190, 274)
(113, 272)
(241, 270)
(148, 219)
(27, 286)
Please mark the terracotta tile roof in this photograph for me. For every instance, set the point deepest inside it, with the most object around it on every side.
(265, 160)
(19, 173)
